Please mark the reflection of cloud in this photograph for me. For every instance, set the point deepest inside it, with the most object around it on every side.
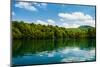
(67, 50)
(40, 55)
(72, 59)
(46, 53)
(51, 54)
(77, 18)
(70, 54)
(73, 55)
(26, 5)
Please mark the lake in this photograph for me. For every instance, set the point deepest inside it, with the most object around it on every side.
(50, 51)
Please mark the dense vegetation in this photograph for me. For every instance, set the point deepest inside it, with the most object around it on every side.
(21, 30)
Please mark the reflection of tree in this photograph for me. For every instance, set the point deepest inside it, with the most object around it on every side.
(22, 47)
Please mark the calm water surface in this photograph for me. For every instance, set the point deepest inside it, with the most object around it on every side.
(25, 52)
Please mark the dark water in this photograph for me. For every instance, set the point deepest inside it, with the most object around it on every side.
(25, 52)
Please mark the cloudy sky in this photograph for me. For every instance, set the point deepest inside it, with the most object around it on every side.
(62, 15)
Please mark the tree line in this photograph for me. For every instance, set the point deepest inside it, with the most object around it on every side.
(22, 30)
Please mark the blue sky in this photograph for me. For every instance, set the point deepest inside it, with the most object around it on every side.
(63, 15)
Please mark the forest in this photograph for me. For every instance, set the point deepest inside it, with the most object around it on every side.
(22, 30)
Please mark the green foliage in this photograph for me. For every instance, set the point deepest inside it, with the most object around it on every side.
(22, 30)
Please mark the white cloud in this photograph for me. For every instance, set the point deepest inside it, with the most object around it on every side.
(41, 22)
(62, 19)
(66, 25)
(41, 5)
(37, 4)
(90, 22)
(77, 18)
(48, 22)
(51, 22)
(13, 13)
(26, 5)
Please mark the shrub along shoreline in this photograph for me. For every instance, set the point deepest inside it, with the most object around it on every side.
(22, 30)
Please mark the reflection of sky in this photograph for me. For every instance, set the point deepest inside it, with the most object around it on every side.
(63, 55)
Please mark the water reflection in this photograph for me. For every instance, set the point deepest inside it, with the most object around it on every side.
(52, 51)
